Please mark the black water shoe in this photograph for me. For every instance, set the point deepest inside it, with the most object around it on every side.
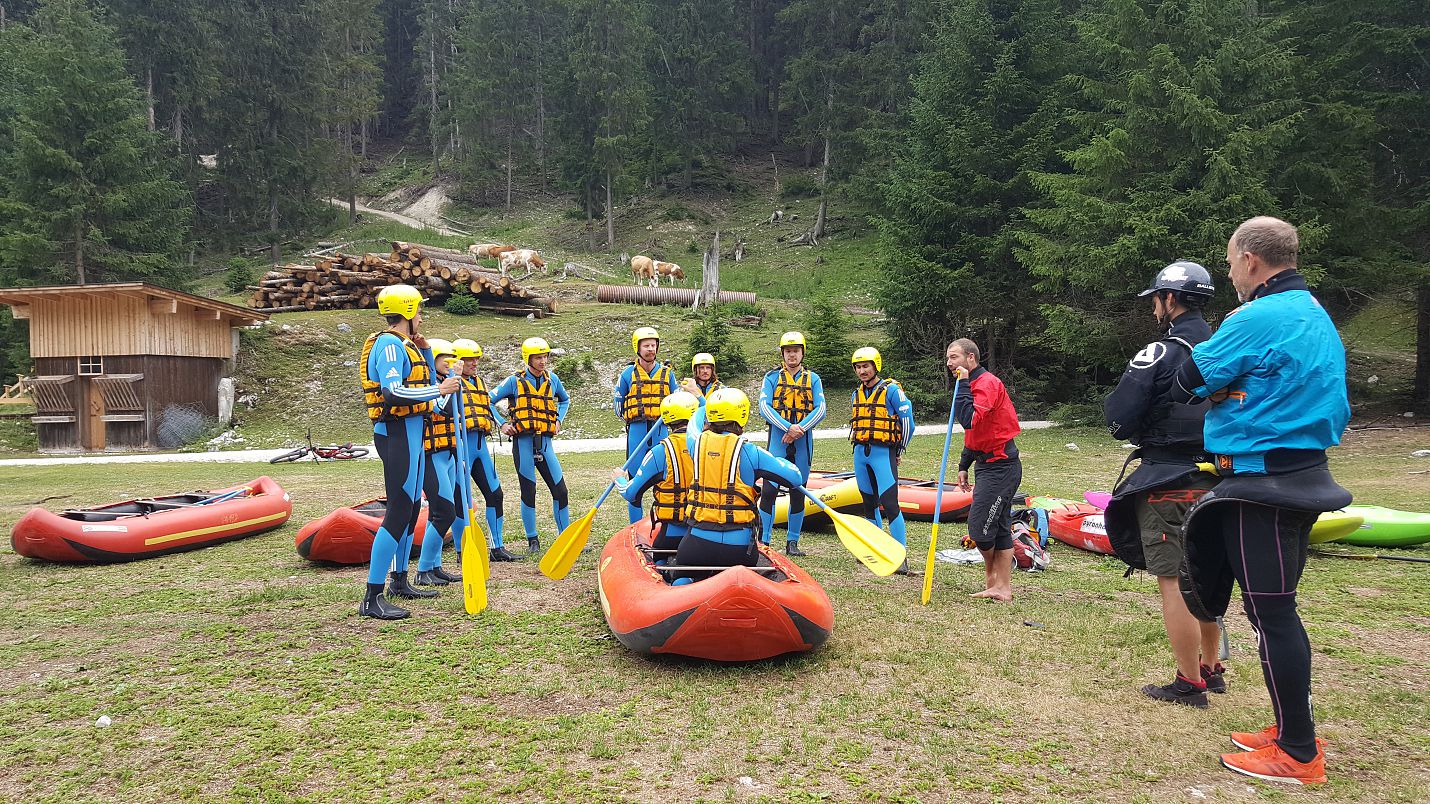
(446, 576)
(376, 606)
(399, 587)
(500, 554)
(792, 549)
(429, 578)
(1180, 691)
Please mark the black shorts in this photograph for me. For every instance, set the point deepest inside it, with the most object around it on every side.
(990, 517)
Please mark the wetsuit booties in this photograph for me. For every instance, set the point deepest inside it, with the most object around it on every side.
(429, 578)
(792, 549)
(399, 587)
(376, 606)
(500, 554)
(449, 577)
(533, 546)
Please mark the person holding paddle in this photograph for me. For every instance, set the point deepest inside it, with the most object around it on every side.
(881, 422)
(439, 477)
(792, 401)
(639, 391)
(536, 405)
(721, 507)
(397, 387)
(666, 472)
(1144, 518)
(990, 423)
(481, 419)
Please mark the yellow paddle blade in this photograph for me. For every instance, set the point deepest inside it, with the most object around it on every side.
(928, 566)
(474, 585)
(561, 557)
(476, 536)
(874, 548)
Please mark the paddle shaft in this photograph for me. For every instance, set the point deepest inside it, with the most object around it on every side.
(625, 467)
(938, 496)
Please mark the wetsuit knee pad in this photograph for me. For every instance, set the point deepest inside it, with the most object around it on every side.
(871, 504)
(1261, 609)
(768, 493)
(558, 493)
(494, 499)
(442, 513)
(889, 501)
(527, 486)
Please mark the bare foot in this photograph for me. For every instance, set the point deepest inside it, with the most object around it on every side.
(995, 594)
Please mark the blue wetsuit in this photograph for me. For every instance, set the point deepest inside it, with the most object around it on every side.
(653, 469)
(800, 452)
(444, 508)
(534, 454)
(482, 465)
(708, 547)
(399, 444)
(637, 446)
(876, 466)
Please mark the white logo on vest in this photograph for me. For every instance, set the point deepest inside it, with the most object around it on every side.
(1149, 355)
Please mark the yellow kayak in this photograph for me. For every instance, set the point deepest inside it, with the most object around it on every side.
(841, 496)
(1334, 525)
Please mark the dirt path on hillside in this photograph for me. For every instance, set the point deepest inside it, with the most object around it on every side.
(415, 223)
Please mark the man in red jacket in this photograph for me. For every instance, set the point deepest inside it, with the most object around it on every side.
(989, 423)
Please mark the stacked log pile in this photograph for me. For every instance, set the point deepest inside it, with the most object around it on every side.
(352, 281)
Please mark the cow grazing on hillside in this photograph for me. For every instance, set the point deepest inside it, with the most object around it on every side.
(669, 270)
(489, 249)
(526, 258)
(643, 269)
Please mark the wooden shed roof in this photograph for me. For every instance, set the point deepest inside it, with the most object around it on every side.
(19, 297)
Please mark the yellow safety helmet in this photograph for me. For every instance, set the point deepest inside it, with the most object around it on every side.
(642, 334)
(728, 405)
(534, 346)
(678, 407)
(702, 359)
(792, 339)
(440, 347)
(399, 300)
(868, 354)
(466, 347)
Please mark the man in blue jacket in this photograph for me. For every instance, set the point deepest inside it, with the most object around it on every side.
(1276, 373)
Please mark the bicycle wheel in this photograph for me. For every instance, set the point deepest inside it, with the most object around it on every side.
(289, 457)
(350, 452)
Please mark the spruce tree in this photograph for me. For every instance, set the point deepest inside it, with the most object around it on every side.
(86, 190)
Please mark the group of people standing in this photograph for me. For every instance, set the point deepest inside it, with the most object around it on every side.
(1231, 430)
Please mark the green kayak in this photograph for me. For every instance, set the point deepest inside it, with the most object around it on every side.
(1387, 527)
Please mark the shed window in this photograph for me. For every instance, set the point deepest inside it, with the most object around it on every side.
(91, 365)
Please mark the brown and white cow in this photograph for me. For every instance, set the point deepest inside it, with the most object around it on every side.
(526, 258)
(643, 269)
(669, 270)
(489, 249)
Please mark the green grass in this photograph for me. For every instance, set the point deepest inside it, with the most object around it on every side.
(240, 671)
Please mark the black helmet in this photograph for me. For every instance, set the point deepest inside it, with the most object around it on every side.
(1191, 283)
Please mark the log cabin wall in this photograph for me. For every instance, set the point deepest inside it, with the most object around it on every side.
(112, 324)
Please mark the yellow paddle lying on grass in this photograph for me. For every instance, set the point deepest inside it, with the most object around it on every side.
(874, 548)
(557, 561)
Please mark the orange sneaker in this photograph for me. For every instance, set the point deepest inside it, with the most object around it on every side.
(1274, 765)
(1257, 740)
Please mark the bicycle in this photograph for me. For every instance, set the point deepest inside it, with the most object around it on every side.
(330, 452)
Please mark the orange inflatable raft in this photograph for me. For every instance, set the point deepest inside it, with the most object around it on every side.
(153, 526)
(740, 614)
(345, 536)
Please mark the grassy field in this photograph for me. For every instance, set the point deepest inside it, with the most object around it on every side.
(242, 672)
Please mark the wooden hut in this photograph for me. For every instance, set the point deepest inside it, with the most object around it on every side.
(110, 360)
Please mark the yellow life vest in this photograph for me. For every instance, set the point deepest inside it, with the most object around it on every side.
(417, 375)
(714, 386)
(870, 421)
(476, 405)
(439, 431)
(718, 499)
(642, 401)
(534, 410)
(793, 398)
(671, 492)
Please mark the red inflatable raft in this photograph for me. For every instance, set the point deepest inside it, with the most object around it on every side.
(345, 536)
(153, 526)
(916, 497)
(739, 614)
(1078, 524)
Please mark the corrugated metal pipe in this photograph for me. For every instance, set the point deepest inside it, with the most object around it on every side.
(640, 294)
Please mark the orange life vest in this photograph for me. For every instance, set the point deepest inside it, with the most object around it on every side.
(718, 499)
(439, 431)
(671, 492)
(870, 421)
(476, 405)
(534, 410)
(793, 398)
(417, 375)
(642, 401)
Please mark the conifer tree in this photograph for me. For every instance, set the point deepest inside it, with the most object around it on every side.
(86, 190)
